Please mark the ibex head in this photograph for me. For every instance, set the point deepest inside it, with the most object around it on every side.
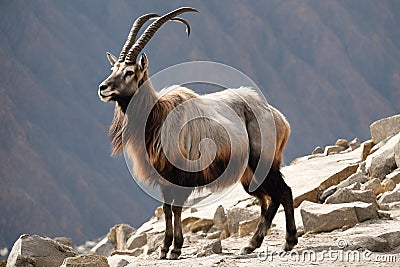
(127, 74)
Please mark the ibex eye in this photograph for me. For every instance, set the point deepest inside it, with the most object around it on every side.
(128, 73)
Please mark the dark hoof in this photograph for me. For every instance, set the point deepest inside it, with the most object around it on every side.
(290, 243)
(174, 254)
(246, 250)
(163, 254)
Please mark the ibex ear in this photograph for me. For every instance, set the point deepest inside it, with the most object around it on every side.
(111, 58)
(144, 63)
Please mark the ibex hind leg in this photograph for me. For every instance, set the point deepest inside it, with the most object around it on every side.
(275, 187)
(267, 214)
(287, 203)
(278, 189)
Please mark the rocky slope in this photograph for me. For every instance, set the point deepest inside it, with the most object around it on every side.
(332, 67)
(347, 201)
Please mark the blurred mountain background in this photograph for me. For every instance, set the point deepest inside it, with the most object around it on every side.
(332, 67)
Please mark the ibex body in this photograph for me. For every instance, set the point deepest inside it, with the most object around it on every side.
(148, 142)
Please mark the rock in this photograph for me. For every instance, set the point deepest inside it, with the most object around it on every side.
(308, 181)
(392, 196)
(154, 242)
(372, 243)
(345, 195)
(119, 234)
(327, 217)
(354, 186)
(86, 261)
(328, 192)
(385, 128)
(187, 223)
(317, 150)
(122, 263)
(382, 162)
(134, 252)
(342, 142)
(193, 210)
(34, 250)
(388, 185)
(384, 214)
(3, 263)
(237, 215)
(397, 154)
(366, 149)
(221, 222)
(354, 144)
(374, 185)
(357, 177)
(213, 235)
(329, 150)
(247, 227)
(394, 176)
(213, 247)
(64, 240)
(136, 241)
(105, 247)
(201, 225)
(3, 252)
(159, 213)
(392, 237)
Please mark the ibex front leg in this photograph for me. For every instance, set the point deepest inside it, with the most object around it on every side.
(169, 234)
(178, 235)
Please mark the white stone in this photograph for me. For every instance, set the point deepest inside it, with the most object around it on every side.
(382, 161)
(327, 217)
(34, 250)
(105, 247)
(86, 261)
(384, 128)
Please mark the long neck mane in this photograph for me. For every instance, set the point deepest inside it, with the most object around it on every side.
(145, 97)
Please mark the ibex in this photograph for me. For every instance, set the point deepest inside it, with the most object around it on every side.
(129, 84)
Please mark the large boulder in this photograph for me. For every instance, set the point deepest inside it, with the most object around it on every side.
(329, 150)
(105, 247)
(374, 185)
(119, 234)
(397, 154)
(237, 215)
(355, 143)
(86, 261)
(342, 142)
(201, 225)
(382, 161)
(372, 243)
(327, 217)
(307, 180)
(34, 250)
(392, 196)
(221, 222)
(64, 240)
(366, 149)
(394, 176)
(384, 128)
(211, 247)
(345, 195)
(136, 241)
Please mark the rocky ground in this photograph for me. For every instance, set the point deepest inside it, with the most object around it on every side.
(347, 199)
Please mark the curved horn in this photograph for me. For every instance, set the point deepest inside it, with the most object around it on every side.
(152, 29)
(133, 33)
